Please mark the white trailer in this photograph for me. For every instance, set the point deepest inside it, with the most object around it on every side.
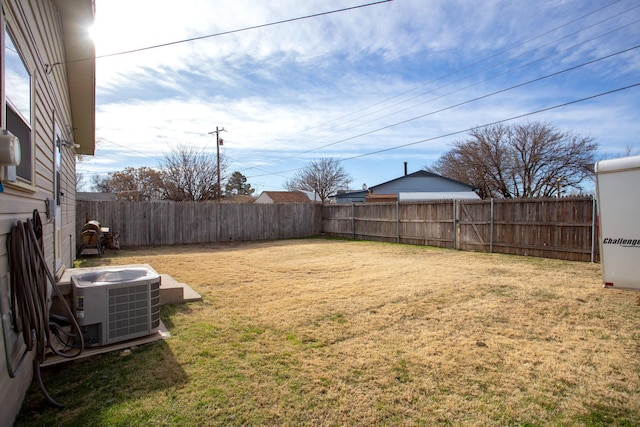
(618, 197)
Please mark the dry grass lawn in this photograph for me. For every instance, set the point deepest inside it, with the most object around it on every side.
(331, 332)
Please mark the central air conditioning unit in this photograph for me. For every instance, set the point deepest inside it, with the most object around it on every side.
(116, 305)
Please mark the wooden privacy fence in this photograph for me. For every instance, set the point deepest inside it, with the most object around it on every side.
(174, 223)
(562, 228)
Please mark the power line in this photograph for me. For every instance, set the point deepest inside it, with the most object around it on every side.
(224, 33)
(485, 59)
(391, 98)
(588, 98)
(494, 123)
(397, 147)
(462, 78)
(127, 148)
(498, 65)
(468, 101)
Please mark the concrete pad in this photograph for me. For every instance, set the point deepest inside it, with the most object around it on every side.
(189, 295)
(171, 292)
(52, 359)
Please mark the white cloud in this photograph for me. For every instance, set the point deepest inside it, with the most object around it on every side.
(291, 88)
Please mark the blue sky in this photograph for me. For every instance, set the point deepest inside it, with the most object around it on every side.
(373, 87)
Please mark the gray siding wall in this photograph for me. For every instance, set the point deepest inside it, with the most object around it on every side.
(36, 28)
(419, 184)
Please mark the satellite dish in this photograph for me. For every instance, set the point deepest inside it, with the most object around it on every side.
(364, 187)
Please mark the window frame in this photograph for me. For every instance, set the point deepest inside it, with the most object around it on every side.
(11, 175)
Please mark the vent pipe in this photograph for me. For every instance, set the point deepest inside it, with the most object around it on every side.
(405, 168)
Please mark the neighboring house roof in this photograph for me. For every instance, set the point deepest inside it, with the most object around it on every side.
(80, 66)
(357, 196)
(96, 197)
(420, 184)
(282, 197)
(421, 181)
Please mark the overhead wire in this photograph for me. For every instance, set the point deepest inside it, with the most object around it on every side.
(520, 116)
(497, 66)
(485, 59)
(484, 96)
(200, 151)
(462, 78)
(468, 101)
(216, 35)
(458, 132)
(406, 92)
(499, 74)
(353, 8)
(223, 33)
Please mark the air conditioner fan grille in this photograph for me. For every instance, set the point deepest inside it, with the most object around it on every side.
(128, 311)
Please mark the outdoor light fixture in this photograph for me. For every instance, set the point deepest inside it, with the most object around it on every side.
(69, 144)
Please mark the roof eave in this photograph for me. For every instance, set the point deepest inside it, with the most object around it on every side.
(77, 16)
(423, 173)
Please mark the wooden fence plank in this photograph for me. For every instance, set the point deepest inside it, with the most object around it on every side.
(553, 228)
(173, 223)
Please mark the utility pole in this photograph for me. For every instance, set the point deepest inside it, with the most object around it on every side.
(218, 144)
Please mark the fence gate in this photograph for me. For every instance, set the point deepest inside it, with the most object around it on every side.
(473, 225)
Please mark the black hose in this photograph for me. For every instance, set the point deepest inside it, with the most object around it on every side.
(36, 372)
(29, 274)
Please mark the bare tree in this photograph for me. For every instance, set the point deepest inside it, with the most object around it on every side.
(324, 177)
(527, 160)
(189, 174)
(80, 181)
(141, 184)
(630, 150)
(100, 184)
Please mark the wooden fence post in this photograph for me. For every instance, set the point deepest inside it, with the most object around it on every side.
(167, 223)
(353, 221)
(456, 244)
(594, 226)
(397, 221)
(491, 229)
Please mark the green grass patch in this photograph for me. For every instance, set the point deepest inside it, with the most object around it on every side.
(331, 332)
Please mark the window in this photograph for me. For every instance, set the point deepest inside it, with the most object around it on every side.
(17, 86)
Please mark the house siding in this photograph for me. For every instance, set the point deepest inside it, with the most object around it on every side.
(263, 198)
(419, 184)
(283, 197)
(36, 25)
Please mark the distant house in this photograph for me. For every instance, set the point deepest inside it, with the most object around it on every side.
(346, 196)
(47, 111)
(417, 186)
(96, 197)
(282, 197)
(312, 195)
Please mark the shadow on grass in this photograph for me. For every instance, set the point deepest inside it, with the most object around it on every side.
(226, 246)
(95, 389)
(167, 312)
